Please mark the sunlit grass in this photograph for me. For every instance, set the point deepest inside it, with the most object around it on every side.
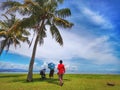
(71, 82)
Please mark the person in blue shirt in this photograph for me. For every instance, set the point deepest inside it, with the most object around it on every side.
(51, 66)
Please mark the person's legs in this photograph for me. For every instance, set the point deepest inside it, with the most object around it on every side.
(43, 76)
(61, 79)
(52, 72)
(41, 73)
(49, 74)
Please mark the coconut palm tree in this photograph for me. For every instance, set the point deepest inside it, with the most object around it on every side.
(11, 33)
(41, 13)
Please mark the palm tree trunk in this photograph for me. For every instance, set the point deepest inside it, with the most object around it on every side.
(30, 71)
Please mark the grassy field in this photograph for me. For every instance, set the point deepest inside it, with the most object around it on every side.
(71, 82)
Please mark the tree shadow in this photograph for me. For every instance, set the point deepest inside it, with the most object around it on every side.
(10, 75)
(48, 80)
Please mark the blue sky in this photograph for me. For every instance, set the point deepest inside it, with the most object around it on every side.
(91, 46)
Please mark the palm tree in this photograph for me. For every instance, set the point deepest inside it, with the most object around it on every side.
(11, 33)
(41, 13)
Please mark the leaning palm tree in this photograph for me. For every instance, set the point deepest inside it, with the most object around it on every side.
(11, 33)
(41, 13)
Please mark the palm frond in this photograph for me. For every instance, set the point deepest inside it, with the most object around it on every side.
(42, 35)
(3, 33)
(60, 1)
(13, 6)
(5, 16)
(25, 32)
(30, 2)
(56, 34)
(14, 27)
(32, 39)
(63, 13)
(15, 41)
(49, 4)
(8, 45)
(29, 22)
(62, 22)
(48, 22)
(9, 4)
(3, 24)
(2, 45)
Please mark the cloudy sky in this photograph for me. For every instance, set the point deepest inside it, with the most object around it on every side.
(92, 45)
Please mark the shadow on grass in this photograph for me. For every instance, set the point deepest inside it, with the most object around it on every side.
(54, 80)
(48, 80)
(10, 75)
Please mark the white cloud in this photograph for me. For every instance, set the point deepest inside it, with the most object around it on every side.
(9, 65)
(98, 50)
(97, 18)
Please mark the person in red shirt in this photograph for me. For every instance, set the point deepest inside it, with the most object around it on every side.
(61, 71)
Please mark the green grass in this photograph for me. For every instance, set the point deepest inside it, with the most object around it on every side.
(71, 82)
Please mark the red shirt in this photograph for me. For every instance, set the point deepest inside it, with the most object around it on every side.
(61, 68)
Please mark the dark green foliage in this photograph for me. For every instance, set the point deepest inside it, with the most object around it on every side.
(11, 33)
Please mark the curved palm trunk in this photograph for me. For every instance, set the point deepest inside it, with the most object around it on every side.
(30, 71)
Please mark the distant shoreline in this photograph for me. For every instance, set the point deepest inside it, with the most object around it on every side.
(56, 73)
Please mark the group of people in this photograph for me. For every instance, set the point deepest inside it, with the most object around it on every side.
(51, 66)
